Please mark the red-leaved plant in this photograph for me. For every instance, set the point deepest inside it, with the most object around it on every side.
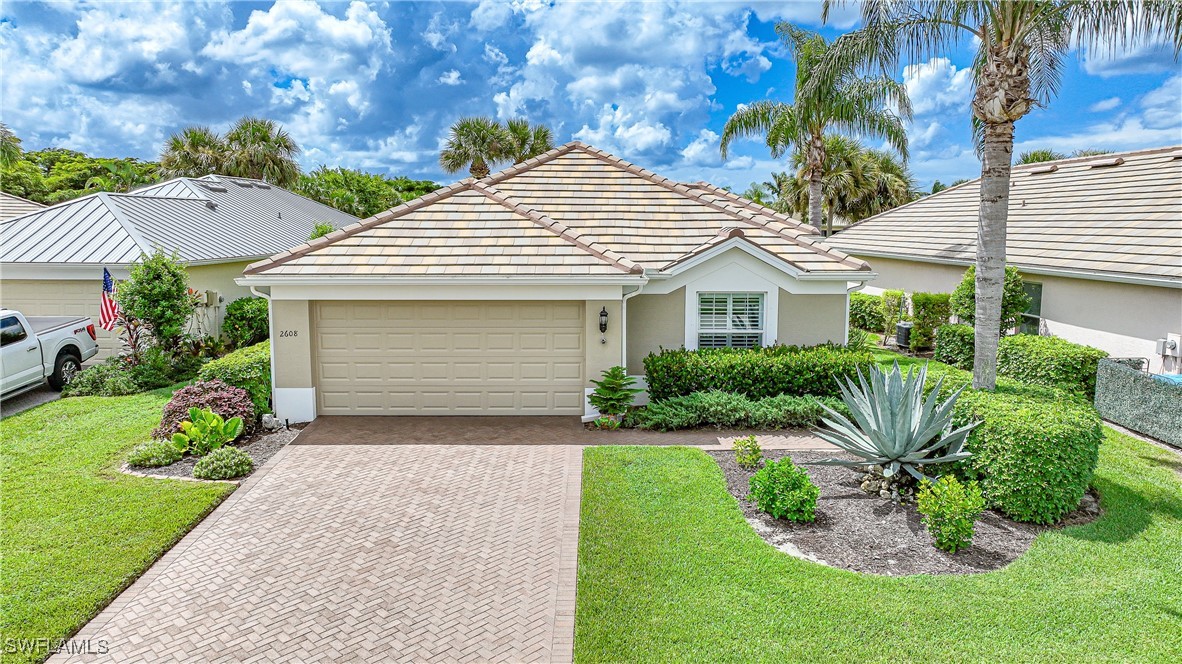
(223, 399)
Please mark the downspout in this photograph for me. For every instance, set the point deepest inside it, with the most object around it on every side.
(858, 285)
(624, 325)
(270, 336)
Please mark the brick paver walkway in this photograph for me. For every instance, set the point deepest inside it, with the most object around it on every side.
(369, 553)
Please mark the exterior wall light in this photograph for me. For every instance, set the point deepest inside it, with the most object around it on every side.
(603, 320)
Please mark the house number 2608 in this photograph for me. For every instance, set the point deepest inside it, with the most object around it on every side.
(289, 333)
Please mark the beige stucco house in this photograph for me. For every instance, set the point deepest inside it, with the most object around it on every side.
(52, 258)
(1098, 241)
(505, 295)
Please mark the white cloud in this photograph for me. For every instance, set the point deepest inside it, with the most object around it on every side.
(618, 130)
(703, 150)
(1105, 105)
(451, 77)
(937, 85)
(1114, 59)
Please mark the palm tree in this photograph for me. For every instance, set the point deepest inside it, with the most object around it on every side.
(194, 152)
(121, 176)
(1021, 47)
(10, 147)
(848, 102)
(1039, 156)
(475, 143)
(527, 141)
(259, 148)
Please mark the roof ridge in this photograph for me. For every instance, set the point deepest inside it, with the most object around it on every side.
(532, 162)
(365, 224)
(561, 230)
(724, 236)
(1106, 155)
(124, 222)
(752, 205)
(22, 198)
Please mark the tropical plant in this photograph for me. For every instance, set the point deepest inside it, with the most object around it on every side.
(224, 463)
(606, 422)
(847, 102)
(475, 143)
(157, 293)
(261, 149)
(893, 425)
(748, 454)
(206, 431)
(10, 147)
(1039, 156)
(784, 491)
(527, 141)
(225, 400)
(1019, 62)
(1014, 300)
(359, 193)
(120, 177)
(613, 395)
(193, 152)
(950, 511)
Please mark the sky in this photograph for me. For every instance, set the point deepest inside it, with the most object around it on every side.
(376, 85)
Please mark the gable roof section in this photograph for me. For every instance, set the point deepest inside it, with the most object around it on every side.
(208, 219)
(14, 206)
(1114, 216)
(624, 217)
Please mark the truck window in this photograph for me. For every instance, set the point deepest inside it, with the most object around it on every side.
(11, 330)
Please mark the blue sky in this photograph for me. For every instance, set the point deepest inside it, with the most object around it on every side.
(375, 85)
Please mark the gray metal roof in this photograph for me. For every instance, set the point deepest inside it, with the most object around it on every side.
(209, 219)
(14, 206)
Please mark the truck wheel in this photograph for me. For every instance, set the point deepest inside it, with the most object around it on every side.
(64, 369)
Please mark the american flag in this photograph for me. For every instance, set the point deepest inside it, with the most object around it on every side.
(108, 308)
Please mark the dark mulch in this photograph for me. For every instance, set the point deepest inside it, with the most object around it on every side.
(865, 533)
(261, 446)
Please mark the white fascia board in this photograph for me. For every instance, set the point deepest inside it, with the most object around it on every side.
(443, 291)
(753, 263)
(84, 271)
(771, 260)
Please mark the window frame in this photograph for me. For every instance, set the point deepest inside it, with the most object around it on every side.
(1031, 322)
(730, 331)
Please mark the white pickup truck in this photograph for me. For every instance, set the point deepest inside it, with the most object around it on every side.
(42, 348)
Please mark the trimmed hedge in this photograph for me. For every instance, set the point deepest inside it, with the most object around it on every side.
(1139, 401)
(892, 302)
(929, 311)
(1050, 361)
(955, 345)
(866, 312)
(1034, 457)
(757, 373)
(248, 368)
(727, 410)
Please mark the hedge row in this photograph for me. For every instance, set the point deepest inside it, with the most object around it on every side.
(955, 345)
(756, 373)
(727, 410)
(929, 312)
(1139, 401)
(866, 312)
(249, 369)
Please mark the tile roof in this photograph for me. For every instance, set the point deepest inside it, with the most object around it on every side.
(572, 211)
(210, 219)
(14, 206)
(1115, 216)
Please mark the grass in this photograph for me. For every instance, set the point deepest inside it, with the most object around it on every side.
(670, 571)
(75, 531)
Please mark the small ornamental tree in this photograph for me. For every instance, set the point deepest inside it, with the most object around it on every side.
(157, 293)
(613, 395)
(1014, 300)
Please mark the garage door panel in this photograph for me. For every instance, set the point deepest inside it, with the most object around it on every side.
(449, 357)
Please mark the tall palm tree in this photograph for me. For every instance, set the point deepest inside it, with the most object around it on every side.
(475, 143)
(10, 147)
(527, 141)
(1021, 47)
(848, 102)
(259, 148)
(194, 152)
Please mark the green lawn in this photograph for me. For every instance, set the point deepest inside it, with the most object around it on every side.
(75, 531)
(670, 571)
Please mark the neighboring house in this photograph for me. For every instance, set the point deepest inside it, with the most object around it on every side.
(14, 206)
(1098, 241)
(506, 295)
(52, 259)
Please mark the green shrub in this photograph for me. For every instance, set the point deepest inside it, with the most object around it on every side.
(157, 293)
(784, 412)
(1014, 299)
(784, 491)
(613, 394)
(1034, 452)
(929, 311)
(225, 400)
(955, 345)
(950, 511)
(248, 368)
(1140, 402)
(1050, 361)
(109, 379)
(723, 409)
(756, 372)
(669, 415)
(154, 454)
(747, 452)
(224, 463)
(206, 431)
(866, 312)
(320, 229)
(246, 322)
(893, 302)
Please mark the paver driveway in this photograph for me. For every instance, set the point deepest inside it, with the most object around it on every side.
(369, 553)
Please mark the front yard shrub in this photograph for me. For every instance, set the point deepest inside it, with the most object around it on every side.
(866, 312)
(154, 454)
(205, 431)
(246, 322)
(126, 374)
(894, 309)
(724, 409)
(785, 411)
(756, 373)
(748, 454)
(720, 409)
(613, 394)
(950, 511)
(1014, 300)
(224, 463)
(1139, 401)
(108, 379)
(955, 345)
(929, 311)
(784, 491)
(1050, 361)
(225, 400)
(1034, 457)
(248, 368)
(157, 293)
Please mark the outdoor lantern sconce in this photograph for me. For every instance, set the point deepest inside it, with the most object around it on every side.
(603, 324)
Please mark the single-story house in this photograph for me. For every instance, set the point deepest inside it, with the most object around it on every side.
(14, 206)
(1098, 241)
(505, 295)
(52, 259)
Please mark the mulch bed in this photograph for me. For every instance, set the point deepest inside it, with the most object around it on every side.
(865, 533)
(261, 446)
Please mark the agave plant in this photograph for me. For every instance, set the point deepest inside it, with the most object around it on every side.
(894, 425)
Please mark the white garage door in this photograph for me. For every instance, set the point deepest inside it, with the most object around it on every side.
(441, 358)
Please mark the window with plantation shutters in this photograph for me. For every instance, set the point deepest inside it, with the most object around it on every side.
(730, 320)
